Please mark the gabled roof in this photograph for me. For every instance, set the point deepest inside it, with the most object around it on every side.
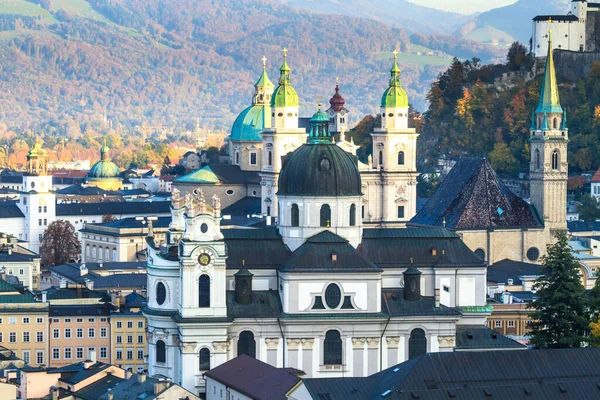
(425, 247)
(472, 197)
(254, 378)
(265, 304)
(394, 304)
(482, 337)
(502, 271)
(328, 252)
(596, 177)
(260, 248)
(84, 373)
(9, 209)
(127, 223)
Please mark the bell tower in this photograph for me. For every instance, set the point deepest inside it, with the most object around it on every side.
(549, 136)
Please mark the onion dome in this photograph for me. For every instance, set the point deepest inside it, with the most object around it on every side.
(104, 169)
(394, 96)
(337, 102)
(284, 95)
(319, 167)
(36, 152)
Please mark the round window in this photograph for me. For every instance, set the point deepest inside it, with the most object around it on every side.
(325, 164)
(290, 114)
(229, 192)
(254, 193)
(161, 293)
(32, 185)
(533, 254)
(390, 115)
(333, 296)
(203, 228)
(480, 253)
(280, 114)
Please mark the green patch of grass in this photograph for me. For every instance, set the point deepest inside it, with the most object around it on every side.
(82, 8)
(22, 7)
(7, 35)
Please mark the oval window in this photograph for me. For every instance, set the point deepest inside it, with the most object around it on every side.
(413, 286)
(161, 293)
(325, 164)
(203, 228)
(290, 114)
(229, 192)
(32, 185)
(333, 296)
(390, 115)
(533, 254)
(280, 114)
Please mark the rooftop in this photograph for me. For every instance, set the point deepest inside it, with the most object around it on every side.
(502, 271)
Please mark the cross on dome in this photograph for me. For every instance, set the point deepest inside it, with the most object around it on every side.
(395, 54)
(285, 50)
(264, 60)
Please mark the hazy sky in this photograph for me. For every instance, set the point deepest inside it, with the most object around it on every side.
(464, 6)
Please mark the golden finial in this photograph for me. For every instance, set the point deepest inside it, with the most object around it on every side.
(319, 98)
(337, 81)
(328, 224)
(411, 260)
(264, 60)
(550, 29)
(395, 54)
(285, 52)
(243, 263)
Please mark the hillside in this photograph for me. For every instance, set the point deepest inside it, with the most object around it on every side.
(170, 63)
(510, 23)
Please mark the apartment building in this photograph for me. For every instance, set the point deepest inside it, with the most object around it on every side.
(128, 327)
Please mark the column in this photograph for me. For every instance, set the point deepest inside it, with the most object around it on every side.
(434, 346)
(403, 349)
(271, 346)
(190, 366)
(220, 353)
(446, 343)
(358, 346)
(392, 350)
(307, 356)
(373, 355)
(292, 351)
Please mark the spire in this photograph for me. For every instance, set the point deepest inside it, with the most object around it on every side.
(532, 127)
(549, 101)
(394, 95)
(264, 81)
(284, 95)
(337, 102)
(284, 71)
(395, 72)
(563, 125)
(319, 127)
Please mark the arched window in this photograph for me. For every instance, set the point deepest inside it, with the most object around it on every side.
(325, 215)
(93, 251)
(204, 291)
(114, 255)
(332, 348)
(107, 254)
(417, 344)
(353, 215)
(246, 344)
(537, 160)
(555, 159)
(87, 250)
(381, 158)
(161, 293)
(554, 123)
(480, 253)
(204, 359)
(161, 352)
(270, 157)
(99, 253)
(295, 215)
(237, 157)
(400, 158)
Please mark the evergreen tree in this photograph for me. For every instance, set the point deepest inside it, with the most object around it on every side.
(561, 317)
(589, 209)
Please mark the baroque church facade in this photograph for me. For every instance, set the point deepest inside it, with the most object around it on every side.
(336, 287)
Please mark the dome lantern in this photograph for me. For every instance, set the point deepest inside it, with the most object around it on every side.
(394, 96)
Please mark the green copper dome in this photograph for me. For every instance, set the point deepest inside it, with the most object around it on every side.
(284, 95)
(37, 151)
(394, 95)
(104, 169)
(250, 123)
(203, 175)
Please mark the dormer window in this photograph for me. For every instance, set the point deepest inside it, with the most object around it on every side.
(433, 251)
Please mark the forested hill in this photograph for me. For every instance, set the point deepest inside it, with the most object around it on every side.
(469, 116)
(173, 62)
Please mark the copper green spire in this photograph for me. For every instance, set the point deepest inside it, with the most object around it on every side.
(549, 101)
(264, 80)
(394, 96)
(284, 95)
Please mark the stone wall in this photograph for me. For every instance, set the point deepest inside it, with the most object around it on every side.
(574, 65)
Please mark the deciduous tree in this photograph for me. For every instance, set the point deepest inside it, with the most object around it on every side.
(60, 244)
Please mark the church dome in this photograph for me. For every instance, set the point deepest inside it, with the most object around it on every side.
(319, 167)
(104, 169)
(249, 124)
(394, 96)
(337, 102)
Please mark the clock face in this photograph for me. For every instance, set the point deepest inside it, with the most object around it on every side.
(204, 259)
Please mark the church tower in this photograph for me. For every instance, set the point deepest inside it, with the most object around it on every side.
(37, 201)
(549, 136)
(390, 184)
(338, 114)
(282, 137)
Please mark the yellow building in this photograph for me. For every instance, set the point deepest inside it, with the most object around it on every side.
(105, 174)
(128, 333)
(23, 325)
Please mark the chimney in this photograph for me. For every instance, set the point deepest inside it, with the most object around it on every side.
(44, 296)
(128, 373)
(63, 284)
(437, 297)
(111, 395)
(83, 270)
(89, 284)
(54, 392)
(141, 377)
(161, 385)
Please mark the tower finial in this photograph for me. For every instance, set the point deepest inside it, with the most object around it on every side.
(264, 60)
(337, 80)
(395, 55)
(319, 98)
(285, 50)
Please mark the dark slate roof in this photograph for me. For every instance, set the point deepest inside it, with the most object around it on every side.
(265, 304)
(138, 281)
(482, 337)
(6, 287)
(260, 248)
(556, 17)
(84, 373)
(54, 293)
(394, 304)
(95, 390)
(582, 226)
(9, 209)
(304, 172)
(254, 378)
(316, 255)
(502, 271)
(135, 299)
(115, 265)
(128, 223)
(395, 247)
(79, 190)
(114, 208)
(86, 310)
(247, 205)
(472, 197)
(18, 255)
(72, 272)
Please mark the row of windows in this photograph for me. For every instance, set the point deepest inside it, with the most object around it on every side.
(26, 337)
(140, 339)
(510, 324)
(98, 253)
(79, 354)
(129, 354)
(39, 356)
(42, 222)
(140, 324)
(203, 292)
(24, 320)
(332, 348)
(79, 320)
(252, 158)
(538, 161)
(400, 158)
(79, 333)
(533, 254)
(324, 215)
